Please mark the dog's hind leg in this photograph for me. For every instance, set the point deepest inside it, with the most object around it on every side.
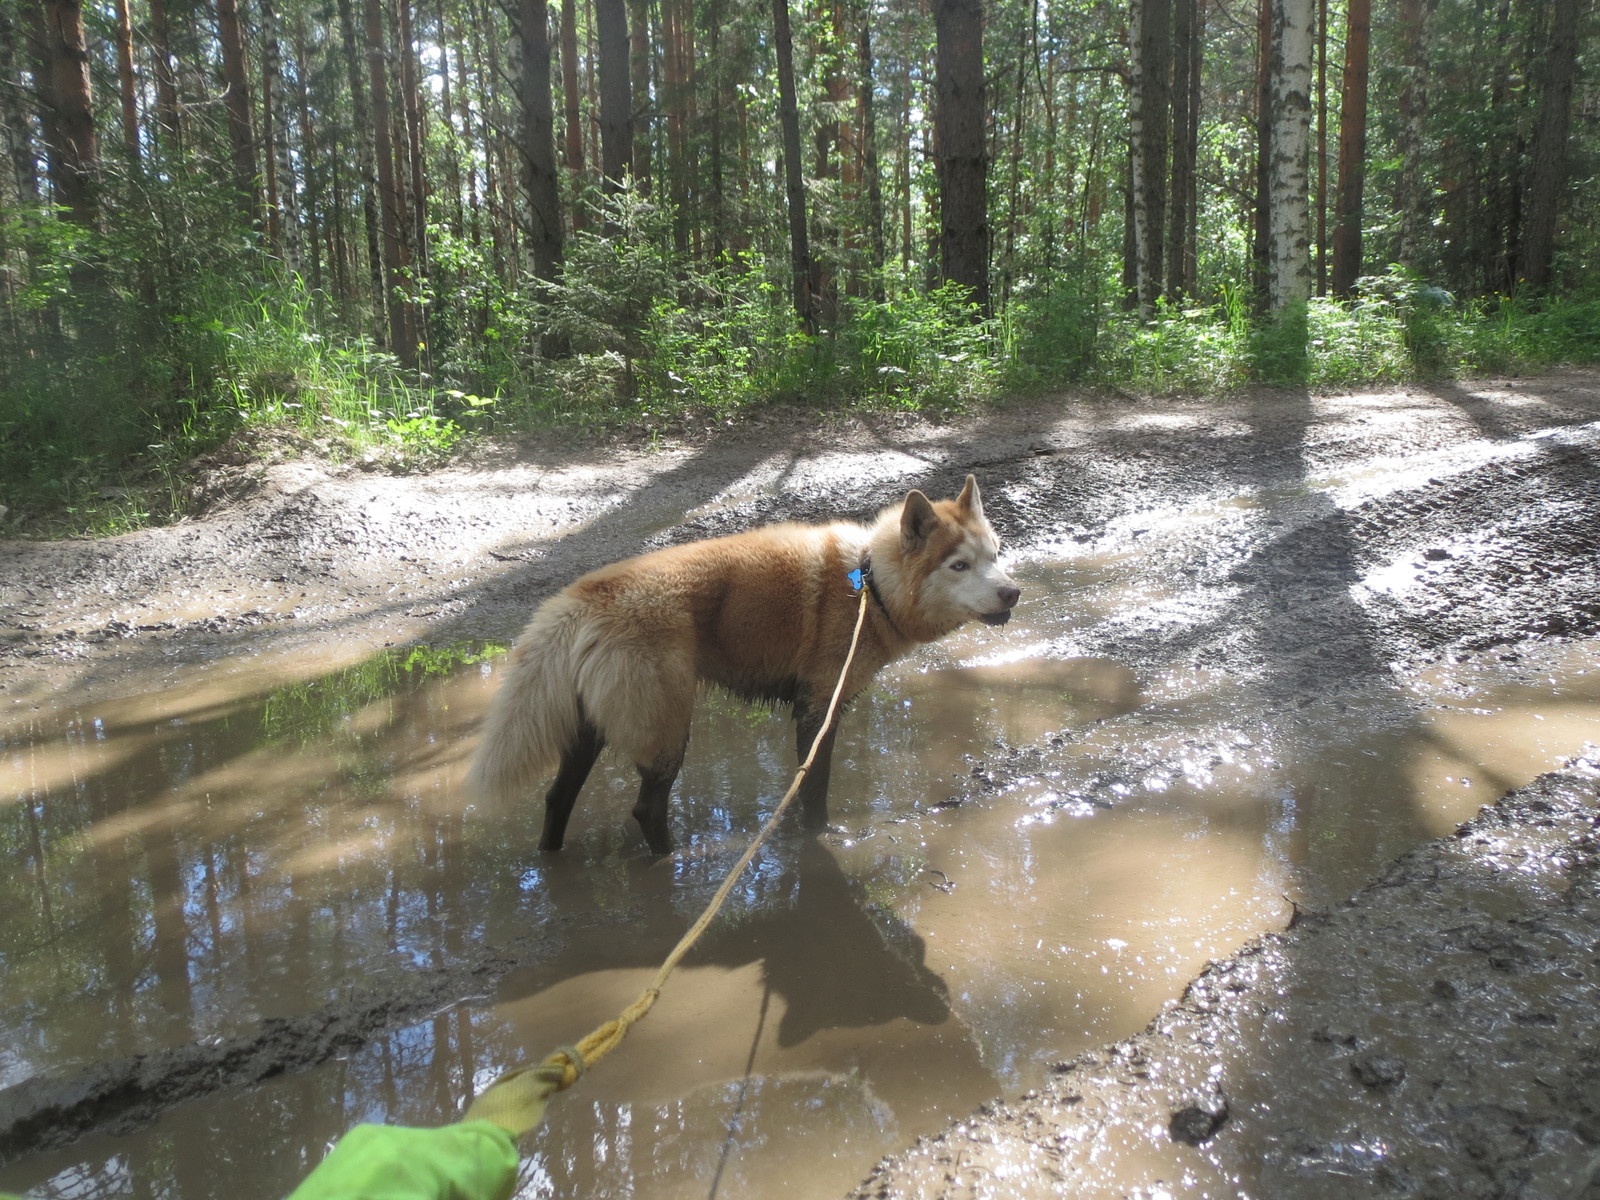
(577, 760)
(814, 788)
(641, 700)
(655, 789)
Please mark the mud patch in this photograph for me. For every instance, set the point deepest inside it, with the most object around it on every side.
(1430, 1038)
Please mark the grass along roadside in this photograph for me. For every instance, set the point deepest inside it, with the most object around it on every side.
(105, 443)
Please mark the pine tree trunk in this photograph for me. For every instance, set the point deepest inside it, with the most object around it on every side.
(237, 103)
(396, 252)
(309, 152)
(1186, 62)
(66, 115)
(639, 71)
(1027, 56)
(1289, 240)
(545, 241)
(166, 78)
(572, 104)
(720, 104)
(1409, 198)
(1548, 173)
(1352, 150)
(869, 135)
(616, 101)
(789, 118)
(961, 148)
(127, 85)
(15, 129)
(283, 218)
(416, 140)
(453, 135)
(474, 216)
(1150, 103)
(362, 133)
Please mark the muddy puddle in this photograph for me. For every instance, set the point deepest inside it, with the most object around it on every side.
(1034, 849)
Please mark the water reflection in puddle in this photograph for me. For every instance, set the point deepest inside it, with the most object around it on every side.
(1033, 854)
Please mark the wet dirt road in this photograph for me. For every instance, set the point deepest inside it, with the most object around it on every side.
(1266, 646)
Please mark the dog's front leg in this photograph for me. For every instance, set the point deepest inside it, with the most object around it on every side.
(814, 788)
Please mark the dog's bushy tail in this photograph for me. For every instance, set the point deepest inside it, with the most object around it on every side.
(535, 714)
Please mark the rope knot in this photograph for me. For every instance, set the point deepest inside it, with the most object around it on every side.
(568, 1064)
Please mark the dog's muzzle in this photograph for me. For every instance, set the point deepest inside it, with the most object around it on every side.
(1008, 596)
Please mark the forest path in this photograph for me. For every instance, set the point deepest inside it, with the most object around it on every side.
(1316, 554)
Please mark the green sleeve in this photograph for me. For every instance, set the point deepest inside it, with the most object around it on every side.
(474, 1160)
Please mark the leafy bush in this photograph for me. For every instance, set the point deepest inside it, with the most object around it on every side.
(916, 347)
(1189, 349)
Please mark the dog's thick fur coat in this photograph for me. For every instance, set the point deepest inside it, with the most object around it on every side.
(614, 658)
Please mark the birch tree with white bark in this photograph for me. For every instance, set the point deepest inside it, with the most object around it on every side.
(1289, 274)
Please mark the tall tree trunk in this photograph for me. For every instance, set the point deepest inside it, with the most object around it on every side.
(1261, 227)
(1181, 215)
(364, 147)
(166, 77)
(1027, 56)
(639, 72)
(904, 140)
(1352, 150)
(66, 108)
(230, 33)
(789, 118)
(1548, 173)
(416, 140)
(545, 240)
(1150, 37)
(127, 85)
(675, 97)
(572, 105)
(616, 101)
(474, 224)
(1409, 197)
(391, 203)
(453, 137)
(961, 148)
(1322, 148)
(15, 129)
(869, 135)
(721, 103)
(283, 217)
(309, 157)
(1289, 240)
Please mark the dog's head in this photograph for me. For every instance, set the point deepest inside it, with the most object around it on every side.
(947, 565)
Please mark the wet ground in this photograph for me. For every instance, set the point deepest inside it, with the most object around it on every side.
(1266, 647)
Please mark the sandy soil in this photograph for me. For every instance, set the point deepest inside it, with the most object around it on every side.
(1453, 1058)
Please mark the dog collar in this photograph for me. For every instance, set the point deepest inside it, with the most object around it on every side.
(863, 574)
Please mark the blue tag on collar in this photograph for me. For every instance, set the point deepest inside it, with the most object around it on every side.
(855, 579)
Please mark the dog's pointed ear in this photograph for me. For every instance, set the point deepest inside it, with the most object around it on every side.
(917, 518)
(970, 501)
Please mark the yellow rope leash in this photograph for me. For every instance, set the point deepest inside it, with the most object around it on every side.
(516, 1101)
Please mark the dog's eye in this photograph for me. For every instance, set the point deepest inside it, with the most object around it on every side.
(960, 565)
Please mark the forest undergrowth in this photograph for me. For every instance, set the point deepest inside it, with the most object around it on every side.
(100, 433)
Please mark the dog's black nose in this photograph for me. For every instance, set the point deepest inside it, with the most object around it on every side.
(1009, 596)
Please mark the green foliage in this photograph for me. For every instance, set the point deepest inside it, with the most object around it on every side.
(1192, 349)
(1050, 334)
(917, 348)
